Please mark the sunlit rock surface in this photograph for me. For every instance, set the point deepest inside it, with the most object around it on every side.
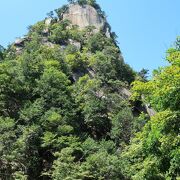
(84, 16)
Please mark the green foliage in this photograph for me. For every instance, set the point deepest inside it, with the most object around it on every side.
(102, 108)
(162, 91)
(71, 1)
(143, 75)
(50, 14)
(96, 163)
(91, 3)
(109, 66)
(59, 34)
(121, 126)
(77, 61)
(65, 112)
(37, 28)
(151, 153)
(61, 10)
(154, 152)
(98, 42)
(19, 176)
(101, 165)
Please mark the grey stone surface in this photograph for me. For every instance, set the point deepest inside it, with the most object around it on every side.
(48, 21)
(49, 44)
(20, 41)
(148, 109)
(84, 16)
(108, 34)
(75, 43)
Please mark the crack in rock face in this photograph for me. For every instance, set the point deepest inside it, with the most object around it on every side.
(84, 16)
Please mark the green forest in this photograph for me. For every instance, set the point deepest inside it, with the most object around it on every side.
(72, 109)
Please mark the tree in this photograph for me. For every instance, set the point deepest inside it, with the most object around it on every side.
(50, 14)
(82, 2)
(71, 1)
(154, 152)
(143, 74)
(61, 10)
(63, 112)
(162, 91)
(59, 34)
(97, 162)
(91, 2)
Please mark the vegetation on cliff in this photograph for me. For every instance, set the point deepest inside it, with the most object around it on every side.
(64, 113)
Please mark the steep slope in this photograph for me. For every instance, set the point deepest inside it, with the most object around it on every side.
(64, 108)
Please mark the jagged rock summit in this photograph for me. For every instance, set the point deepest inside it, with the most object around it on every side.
(64, 104)
(84, 16)
(77, 14)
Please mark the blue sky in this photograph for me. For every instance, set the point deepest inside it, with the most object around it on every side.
(145, 28)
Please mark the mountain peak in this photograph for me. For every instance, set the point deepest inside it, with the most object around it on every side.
(84, 16)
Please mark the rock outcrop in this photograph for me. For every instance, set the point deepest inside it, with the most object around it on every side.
(84, 16)
(19, 44)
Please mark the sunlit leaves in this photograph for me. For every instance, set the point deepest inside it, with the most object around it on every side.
(154, 151)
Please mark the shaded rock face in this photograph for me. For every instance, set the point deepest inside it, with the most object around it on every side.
(75, 43)
(19, 42)
(84, 16)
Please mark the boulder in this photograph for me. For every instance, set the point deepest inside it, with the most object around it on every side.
(75, 43)
(20, 41)
(48, 21)
(84, 16)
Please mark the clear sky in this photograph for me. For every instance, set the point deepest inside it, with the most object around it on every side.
(145, 28)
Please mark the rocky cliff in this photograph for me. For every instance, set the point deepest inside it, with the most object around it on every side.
(84, 16)
(64, 104)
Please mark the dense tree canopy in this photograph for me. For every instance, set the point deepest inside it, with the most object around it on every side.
(154, 152)
(62, 114)
(65, 112)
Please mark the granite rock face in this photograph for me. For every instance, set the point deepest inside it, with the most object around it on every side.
(48, 21)
(84, 16)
